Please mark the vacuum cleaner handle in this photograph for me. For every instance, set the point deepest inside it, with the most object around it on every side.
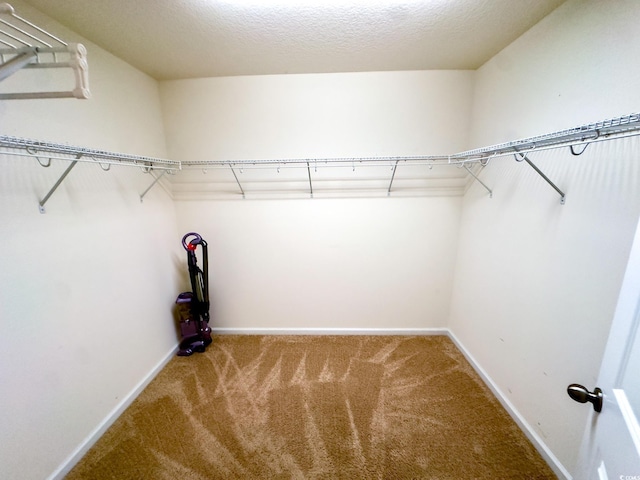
(191, 246)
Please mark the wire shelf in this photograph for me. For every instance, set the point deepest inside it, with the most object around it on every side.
(24, 45)
(584, 135)
(605, 130)
(44, 150)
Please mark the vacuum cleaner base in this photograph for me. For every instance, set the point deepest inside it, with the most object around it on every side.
(195, 331)
(191, 345)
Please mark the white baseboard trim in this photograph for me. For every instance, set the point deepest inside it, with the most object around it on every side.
(531, 434)
(102, 427)
(330, 331)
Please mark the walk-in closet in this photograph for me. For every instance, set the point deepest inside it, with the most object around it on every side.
(462, 175)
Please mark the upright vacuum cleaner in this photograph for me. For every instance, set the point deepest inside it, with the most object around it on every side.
(193, 307)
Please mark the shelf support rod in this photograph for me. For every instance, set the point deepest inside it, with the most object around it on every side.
(466, 167)
(17, 63)
(393, 175)
(57, 184)
(520, 157)
(151, 186)
(237, 181)
(310, 184)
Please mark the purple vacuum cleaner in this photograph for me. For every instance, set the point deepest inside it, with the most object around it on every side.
(193, 307)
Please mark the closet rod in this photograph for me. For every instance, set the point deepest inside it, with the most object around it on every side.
(23, 147)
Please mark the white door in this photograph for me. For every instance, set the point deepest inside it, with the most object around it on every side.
(611, 443)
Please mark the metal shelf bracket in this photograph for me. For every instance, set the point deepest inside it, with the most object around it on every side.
(466, 167)
(393, 175)
(154, 182)
(237, 181)
(57, 184)
(310, 184)
(520, 157)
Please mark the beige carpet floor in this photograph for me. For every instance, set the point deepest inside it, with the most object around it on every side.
(316, 407)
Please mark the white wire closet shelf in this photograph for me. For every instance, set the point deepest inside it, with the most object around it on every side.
(39, 150)
(24, 45)
(45, 152)
(576, 139)
(628, 125)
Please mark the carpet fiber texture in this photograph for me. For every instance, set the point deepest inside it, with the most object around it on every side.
(316, 407)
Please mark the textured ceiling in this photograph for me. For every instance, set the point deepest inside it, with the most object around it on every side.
(172, 39)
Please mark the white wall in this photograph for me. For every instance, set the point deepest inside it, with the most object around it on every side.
(323, 263)
(316, 116)
(536, 283)
(328, 263)
(86, 290)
